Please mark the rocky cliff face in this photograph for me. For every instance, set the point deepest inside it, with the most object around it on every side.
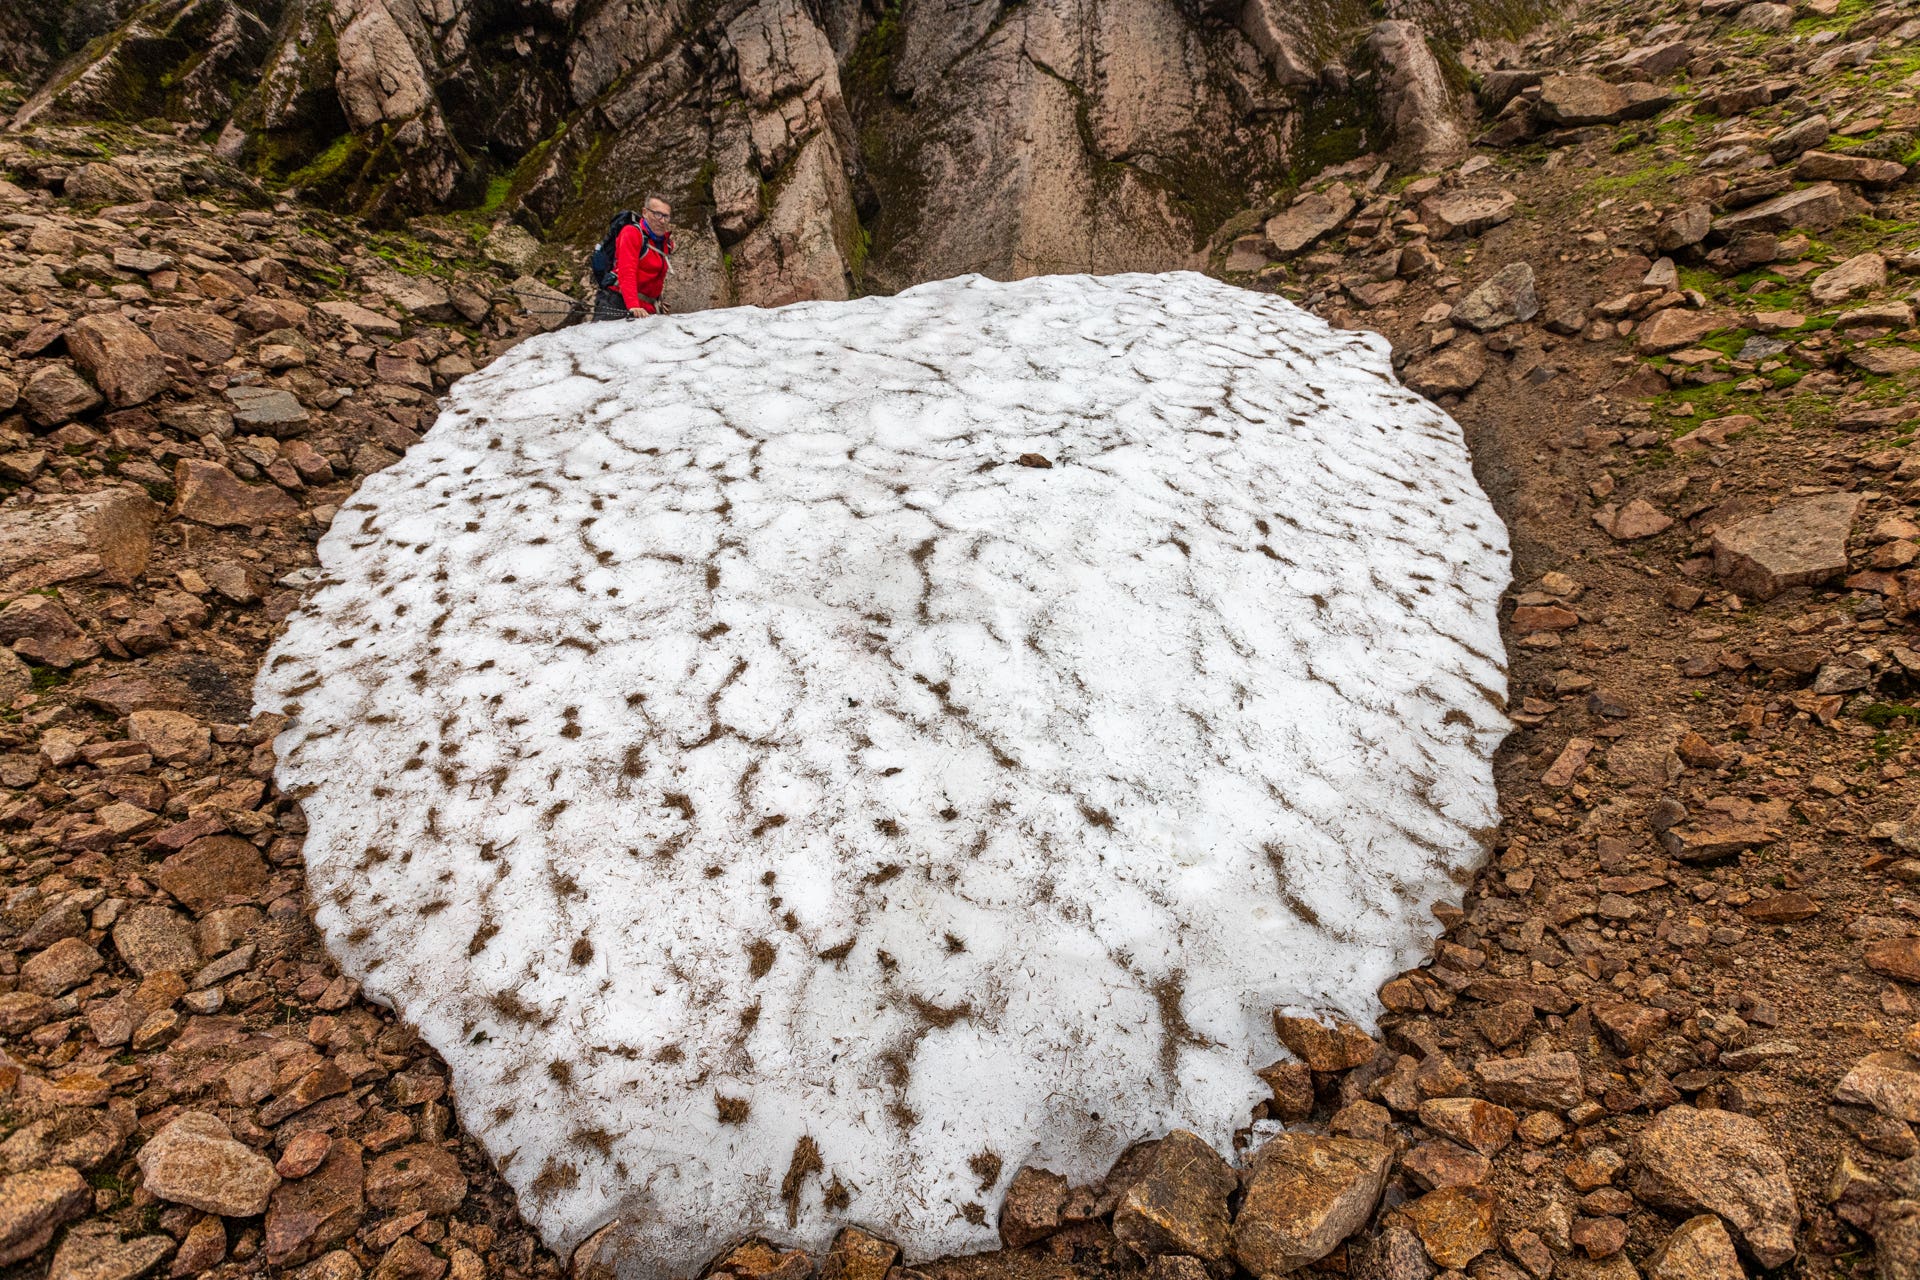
(816, 147)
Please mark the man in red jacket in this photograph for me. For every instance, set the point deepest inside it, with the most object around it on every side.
(640, 265)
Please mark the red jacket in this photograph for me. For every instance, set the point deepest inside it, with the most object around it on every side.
(640, 260)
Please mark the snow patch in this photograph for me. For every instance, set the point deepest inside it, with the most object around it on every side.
(780, 806)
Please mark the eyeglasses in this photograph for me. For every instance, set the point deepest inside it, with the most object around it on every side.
(660, 214)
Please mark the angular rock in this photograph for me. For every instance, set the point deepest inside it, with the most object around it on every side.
(1427, 125)
(1629, 1027)
(1475, 1123)
(1764, 16)
(215, 871)
(1336, 1045)
(1569, 101)
(1504, 298)
(99, 183)
(171, 736)
(1796, 138)
(548, 307)
(1304, 1195)
(418, 1176)
(1638, 519)
(1178, 1204)
(195, 335)
(1888, 361)
(312, 1214)
(1825, 166)
(1715, 839)
(55, 394)
(33, 1205)
(1887, 1082)
(855, 1255)
(1860, 274)
(1032, 1208)
(40, 631)
(1546, 1082)
(422, 298)
(1675, 328)
(267, 410)
(1438, 1164)
(61, 967)
(1308, 218)
(1725, 1164)
(208, 493)
(364, 320)
(1896, 1240)
(1685, 226)
(1465, 213)
(1456, 369)
(1801, 543)
(62, 538)
(1456, 1224)
(121, 360)
(1816, 209)
(195, 1161)
(152, 939)
(95, 1251)
(1895, 958)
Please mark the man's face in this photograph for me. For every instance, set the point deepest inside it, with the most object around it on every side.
(659, 214)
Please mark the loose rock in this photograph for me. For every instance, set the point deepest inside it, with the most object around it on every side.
(195, 1161)
(1304, 1195)
(1724, 1164)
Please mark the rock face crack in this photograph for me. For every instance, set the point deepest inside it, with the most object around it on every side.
(851, 801)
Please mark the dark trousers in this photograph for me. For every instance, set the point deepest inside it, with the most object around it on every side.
(608, 305)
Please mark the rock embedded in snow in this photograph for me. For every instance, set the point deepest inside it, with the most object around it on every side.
(799, 812)
(1179, 1202)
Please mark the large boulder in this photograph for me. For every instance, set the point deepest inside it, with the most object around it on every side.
(1428, 127)
(1802, 543)
(1725, 1164)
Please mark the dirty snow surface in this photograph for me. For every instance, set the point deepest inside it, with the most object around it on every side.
(782, 807)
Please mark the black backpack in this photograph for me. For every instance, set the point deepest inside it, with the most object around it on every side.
(602, 264)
